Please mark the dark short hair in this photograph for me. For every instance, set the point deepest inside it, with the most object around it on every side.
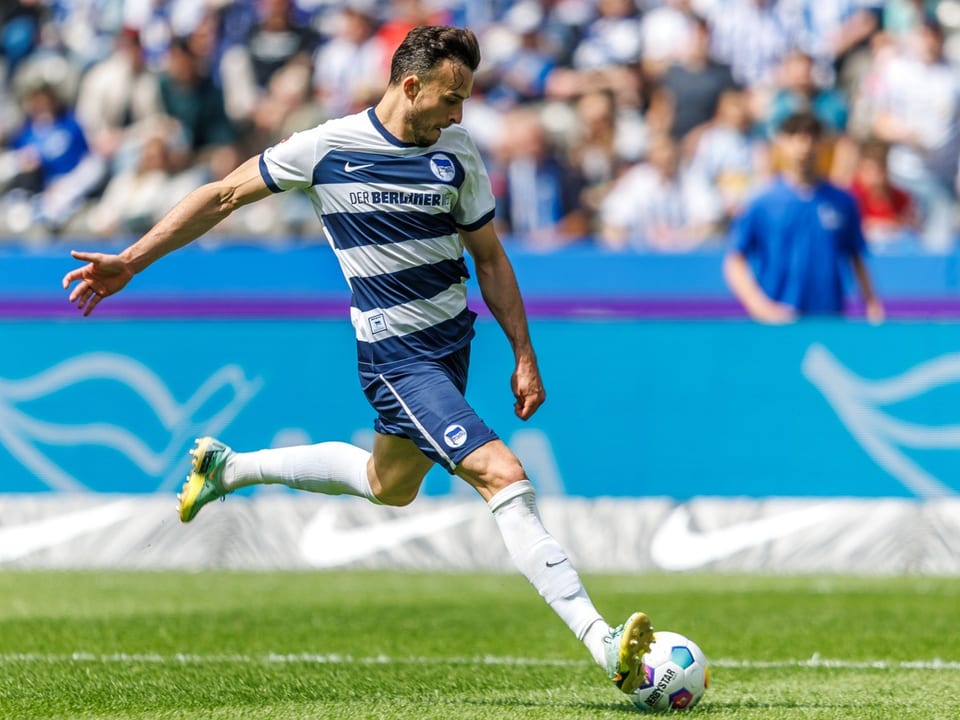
(427, 46)
(873, 148)
(802, 123)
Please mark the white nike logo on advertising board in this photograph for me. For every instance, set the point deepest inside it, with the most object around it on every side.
(21, 540)
(677, 546)
(324, 544)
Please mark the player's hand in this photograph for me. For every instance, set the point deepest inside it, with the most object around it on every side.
(773, 313)
(527, 388)
(102, 276)
(875, 312)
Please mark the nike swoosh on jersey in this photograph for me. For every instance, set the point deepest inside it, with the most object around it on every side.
(353, 168)
(324, 544)
(21, 540)
(677, 546)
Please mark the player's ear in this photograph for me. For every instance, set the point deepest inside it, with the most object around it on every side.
(411, 87)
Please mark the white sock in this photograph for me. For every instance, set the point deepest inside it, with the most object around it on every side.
(331, 468)
(544, 563)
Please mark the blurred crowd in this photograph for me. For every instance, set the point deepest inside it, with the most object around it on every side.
(627, 124)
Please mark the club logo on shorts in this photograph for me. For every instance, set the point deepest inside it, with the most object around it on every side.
(455, 435)
(442, 167)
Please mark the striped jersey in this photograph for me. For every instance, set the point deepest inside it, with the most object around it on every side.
(391, 211)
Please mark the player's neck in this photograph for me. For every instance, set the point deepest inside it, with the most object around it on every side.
(800, 178)
(391, 112)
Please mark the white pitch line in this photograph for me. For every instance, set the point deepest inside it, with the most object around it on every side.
(815, 662)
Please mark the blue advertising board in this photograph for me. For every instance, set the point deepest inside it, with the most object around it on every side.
(304, 281)
(635, 407)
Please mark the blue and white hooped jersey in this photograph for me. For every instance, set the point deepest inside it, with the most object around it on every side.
(391, 211)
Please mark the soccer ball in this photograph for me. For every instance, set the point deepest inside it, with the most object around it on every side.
(676, 672)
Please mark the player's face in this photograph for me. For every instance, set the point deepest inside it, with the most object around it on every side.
(799, 151)
(439, 102)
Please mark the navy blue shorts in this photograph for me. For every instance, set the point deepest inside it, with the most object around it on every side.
(425, 402)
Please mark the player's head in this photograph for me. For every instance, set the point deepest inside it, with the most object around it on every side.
(798, 140)
(802, 123)
(434, 68)
(427, 47)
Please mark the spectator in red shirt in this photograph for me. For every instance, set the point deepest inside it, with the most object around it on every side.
(887, 211)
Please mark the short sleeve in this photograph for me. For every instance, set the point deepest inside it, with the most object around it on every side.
(290, 163)
(475, 204)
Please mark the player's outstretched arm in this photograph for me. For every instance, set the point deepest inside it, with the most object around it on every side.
(105, 274)
(498, 284)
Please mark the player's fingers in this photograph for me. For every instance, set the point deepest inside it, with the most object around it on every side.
(79, 291)
(520, 411)
(527, 404)
(536, 401)
(80, 298)
(86, 256)
(94, 300)
(85, 294)
(84, 305)
(72, 277)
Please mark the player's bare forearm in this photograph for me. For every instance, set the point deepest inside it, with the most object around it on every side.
(196, 214)
(104, 274)
(501, 294)
(190, 218)
(498, 284)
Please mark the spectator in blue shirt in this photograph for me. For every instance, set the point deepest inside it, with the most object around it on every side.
(50, 140)
(791, 248)
(55, 172)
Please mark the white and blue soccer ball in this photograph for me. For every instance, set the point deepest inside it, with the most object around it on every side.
(676, 674)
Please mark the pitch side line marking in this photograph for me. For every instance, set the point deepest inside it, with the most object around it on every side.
(815, 662)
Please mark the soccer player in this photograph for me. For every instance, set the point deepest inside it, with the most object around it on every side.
(791, 247)
(401, 190)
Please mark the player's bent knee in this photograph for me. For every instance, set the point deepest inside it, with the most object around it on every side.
(509, 474)
(396, 471)
(491, 468)
(397, 497)
(395, 490)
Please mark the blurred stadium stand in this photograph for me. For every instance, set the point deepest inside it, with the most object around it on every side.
(102, 128)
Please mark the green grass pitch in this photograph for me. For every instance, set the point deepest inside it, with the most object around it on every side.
(409, 645)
